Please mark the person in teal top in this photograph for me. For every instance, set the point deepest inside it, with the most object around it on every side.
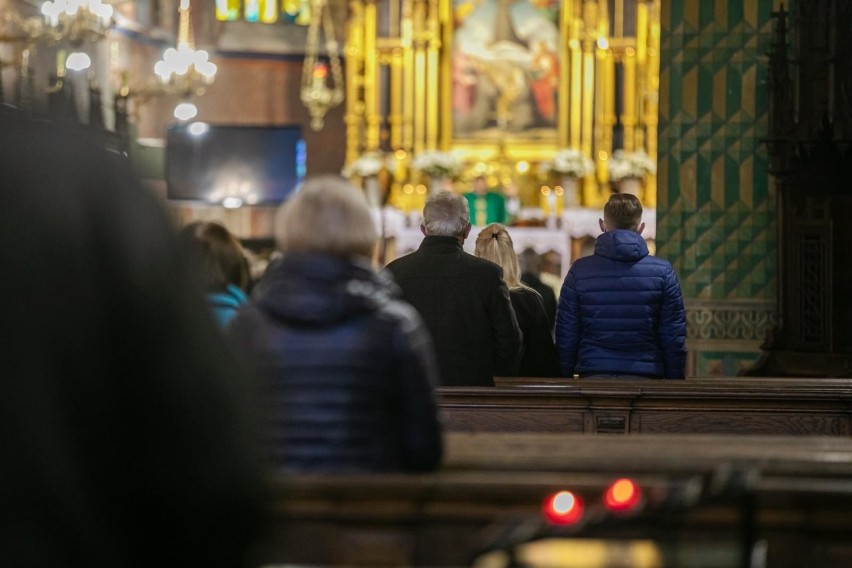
(486, 206)
(218, 259)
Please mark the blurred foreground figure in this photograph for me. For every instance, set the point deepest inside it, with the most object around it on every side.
(125, 431)
(349, 368)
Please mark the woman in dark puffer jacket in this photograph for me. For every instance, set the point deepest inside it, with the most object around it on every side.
(349, 368)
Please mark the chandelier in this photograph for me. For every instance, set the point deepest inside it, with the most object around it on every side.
(72, 21)
(317, 96)
(185, 70)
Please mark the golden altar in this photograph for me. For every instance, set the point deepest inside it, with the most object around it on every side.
(504, 84)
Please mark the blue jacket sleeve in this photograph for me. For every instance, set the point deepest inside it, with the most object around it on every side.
(672, 330)
(568, 326)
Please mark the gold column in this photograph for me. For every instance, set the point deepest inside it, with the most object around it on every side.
(565, 69)
(395, 119)
(371, 77)
(590, 17)
(605, 113)
(628, 117)
(641, 70)
(354, 54)
(432, 38)
(576, 53)
(419, 75)
(652, 89)
(408, 86)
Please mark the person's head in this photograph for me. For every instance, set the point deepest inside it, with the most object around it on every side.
(494, 243)
(622, 212)
(446, 214)
(217, 255)
(480, 185)
(327, 215)
(530, 261)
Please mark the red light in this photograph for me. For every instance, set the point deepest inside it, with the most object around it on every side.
(622, 495)
(563, 508)
(320, 71)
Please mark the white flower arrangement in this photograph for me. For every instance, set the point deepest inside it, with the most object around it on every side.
(437, 164)
(570, 162)
(366, 165)
(630, 165)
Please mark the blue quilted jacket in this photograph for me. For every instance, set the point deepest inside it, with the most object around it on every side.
(621, 312)
(349, 368)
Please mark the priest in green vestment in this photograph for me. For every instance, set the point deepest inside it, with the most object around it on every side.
(486, 206)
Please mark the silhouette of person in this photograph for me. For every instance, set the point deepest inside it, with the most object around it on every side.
(126, 429)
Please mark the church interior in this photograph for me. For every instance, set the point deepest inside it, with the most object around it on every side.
(731, 120)
(374, 85)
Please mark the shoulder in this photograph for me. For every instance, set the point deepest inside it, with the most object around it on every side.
(656, 265)
(482, 266)
(400, 316)
(525, 294)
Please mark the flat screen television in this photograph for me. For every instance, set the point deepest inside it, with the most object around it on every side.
(233, 165)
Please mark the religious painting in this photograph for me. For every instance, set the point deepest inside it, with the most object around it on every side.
(505, 70)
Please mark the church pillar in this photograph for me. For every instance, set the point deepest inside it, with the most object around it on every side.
(716, 204)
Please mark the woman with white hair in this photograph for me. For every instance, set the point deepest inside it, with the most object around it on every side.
(349, 368)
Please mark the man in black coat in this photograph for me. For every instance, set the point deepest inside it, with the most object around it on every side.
(463, 299)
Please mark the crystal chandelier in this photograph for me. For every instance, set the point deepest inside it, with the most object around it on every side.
(185, 70)
(317, 96)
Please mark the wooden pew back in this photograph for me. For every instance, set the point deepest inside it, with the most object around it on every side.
(694, 406)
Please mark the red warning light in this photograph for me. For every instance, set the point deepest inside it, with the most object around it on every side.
(563, 508)
(622, 495)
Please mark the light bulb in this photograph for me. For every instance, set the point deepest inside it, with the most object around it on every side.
(185, 111)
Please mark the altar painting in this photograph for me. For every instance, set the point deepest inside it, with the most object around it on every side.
(505, 69)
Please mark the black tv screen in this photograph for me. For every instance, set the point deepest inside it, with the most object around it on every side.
(233, 165)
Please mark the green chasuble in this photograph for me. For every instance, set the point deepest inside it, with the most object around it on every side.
(486, 209)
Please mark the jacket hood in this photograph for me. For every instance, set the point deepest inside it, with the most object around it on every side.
(314, 289)
(623, 245)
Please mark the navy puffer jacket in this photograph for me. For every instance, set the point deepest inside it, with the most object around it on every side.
(349, 368)
(621, 312)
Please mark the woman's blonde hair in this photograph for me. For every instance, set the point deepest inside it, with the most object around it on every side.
(494, 243)
(327, 215)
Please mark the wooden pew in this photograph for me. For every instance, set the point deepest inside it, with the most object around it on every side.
(791, 493)
(694, 406)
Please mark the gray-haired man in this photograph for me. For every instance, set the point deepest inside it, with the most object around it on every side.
(463, 299)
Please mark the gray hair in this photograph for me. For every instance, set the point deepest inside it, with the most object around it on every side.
(446, 214)
(328, 215)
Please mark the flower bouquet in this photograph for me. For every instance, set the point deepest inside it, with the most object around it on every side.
(366, 165)
(570, 162)
(623, 165)
(437, 164)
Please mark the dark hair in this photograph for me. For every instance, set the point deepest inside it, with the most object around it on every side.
(216, 255)
(623, 211)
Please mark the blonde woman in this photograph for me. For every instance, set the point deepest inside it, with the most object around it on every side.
(348, 367)
(539, 358)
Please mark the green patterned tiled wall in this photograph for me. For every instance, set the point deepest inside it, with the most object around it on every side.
(716, 215)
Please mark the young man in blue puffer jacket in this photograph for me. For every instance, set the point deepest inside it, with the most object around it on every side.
(620, 311)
